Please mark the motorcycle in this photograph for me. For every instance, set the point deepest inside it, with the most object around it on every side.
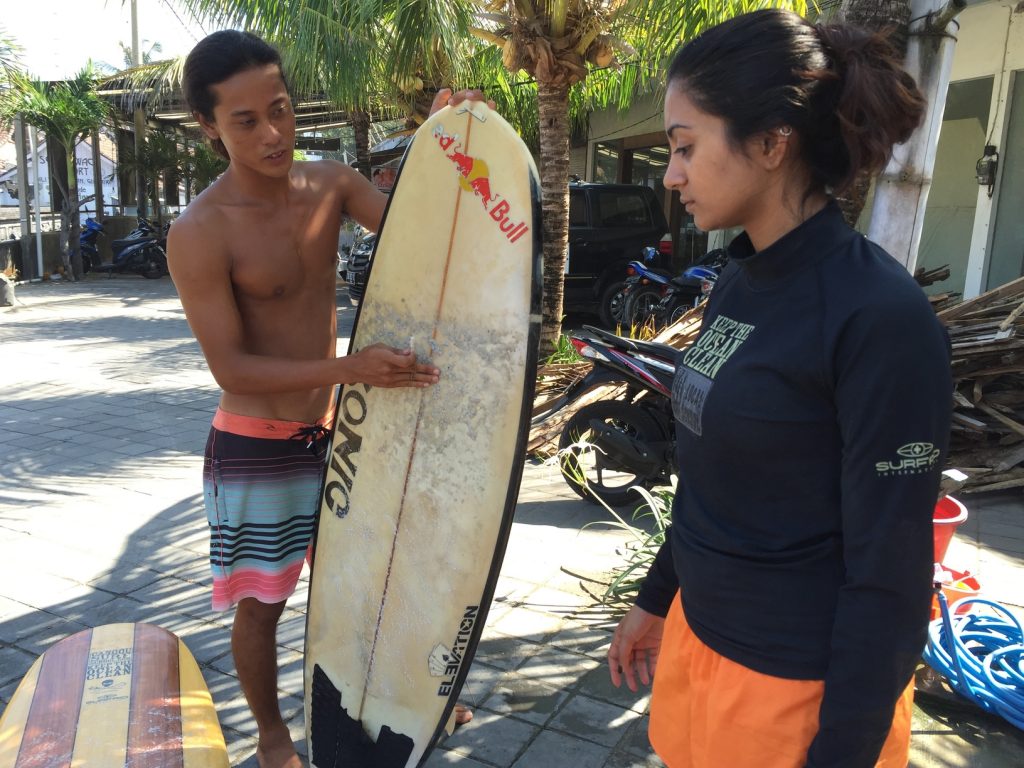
(87, 244)
(698, 279)
(609, 446)
(649, 294)
(140, 252)
(642, 289)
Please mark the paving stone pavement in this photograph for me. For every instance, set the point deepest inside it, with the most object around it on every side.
(105, 407)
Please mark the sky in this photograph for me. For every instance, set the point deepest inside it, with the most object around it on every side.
(59, 36)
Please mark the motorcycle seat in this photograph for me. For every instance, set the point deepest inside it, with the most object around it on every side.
(652, 348)
(687, 283)
(120, 245)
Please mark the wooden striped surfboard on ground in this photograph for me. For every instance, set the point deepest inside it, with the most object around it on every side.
(118, 695)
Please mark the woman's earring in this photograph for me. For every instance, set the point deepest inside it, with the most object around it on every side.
(785, 130)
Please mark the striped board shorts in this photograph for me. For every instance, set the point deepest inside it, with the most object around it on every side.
(261, 487)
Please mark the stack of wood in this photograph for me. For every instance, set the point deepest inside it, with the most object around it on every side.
(926, 277)
(987, 441)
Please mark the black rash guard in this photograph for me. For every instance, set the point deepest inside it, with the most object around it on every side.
(813, 416)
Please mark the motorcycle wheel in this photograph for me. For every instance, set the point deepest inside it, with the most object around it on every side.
(679, 306)
(640, 305)
(586, 470)
(155, 264)
(611, 305)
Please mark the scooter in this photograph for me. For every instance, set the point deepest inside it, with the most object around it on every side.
(87, 244)
(648, 294)
(609, 446)
(642, 289)
(144, 230)
(141, 252)
(691, 288)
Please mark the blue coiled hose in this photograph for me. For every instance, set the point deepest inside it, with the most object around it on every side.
(982, 656)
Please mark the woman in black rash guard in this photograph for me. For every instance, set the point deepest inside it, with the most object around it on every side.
(789, 605)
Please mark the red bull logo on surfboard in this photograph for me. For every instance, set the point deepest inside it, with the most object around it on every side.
(475, 177)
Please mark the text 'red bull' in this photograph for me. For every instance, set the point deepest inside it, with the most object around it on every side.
(475, 177)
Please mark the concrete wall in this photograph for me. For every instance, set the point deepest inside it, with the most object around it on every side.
(21, 253)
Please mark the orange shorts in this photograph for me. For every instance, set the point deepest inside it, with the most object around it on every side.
(710, 712)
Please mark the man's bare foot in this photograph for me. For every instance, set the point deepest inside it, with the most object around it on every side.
(462, 715)
(277, 752)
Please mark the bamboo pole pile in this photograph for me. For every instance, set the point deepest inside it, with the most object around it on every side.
(987, 439)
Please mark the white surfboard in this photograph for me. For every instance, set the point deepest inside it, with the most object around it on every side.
(421, 485)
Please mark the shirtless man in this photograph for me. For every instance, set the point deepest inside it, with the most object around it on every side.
(254, 260)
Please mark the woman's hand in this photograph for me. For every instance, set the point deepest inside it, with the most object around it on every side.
(635, 647)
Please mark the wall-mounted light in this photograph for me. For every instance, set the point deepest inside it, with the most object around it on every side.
(985, 170)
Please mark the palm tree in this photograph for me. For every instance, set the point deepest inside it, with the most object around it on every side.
(147, 53)
(67, 112)
(202, 166)
(10, 53)
(161, 158)
(562, 45)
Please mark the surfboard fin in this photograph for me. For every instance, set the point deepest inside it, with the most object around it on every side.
(340, 741)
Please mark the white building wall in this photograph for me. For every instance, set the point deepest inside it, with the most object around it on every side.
(83, 157)
(990, 43)
(644, 116)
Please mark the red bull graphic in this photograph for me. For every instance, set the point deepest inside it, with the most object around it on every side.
(475, 177)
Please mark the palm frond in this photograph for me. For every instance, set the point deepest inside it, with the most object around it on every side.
(144, 86)
(66, 110)
(10, 55)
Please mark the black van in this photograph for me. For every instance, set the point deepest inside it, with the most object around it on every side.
(609, 226)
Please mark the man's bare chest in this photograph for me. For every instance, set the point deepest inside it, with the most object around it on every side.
(278, 256)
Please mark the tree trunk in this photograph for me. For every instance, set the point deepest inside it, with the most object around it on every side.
(97, 174)
(140, 174)
(901, 193)
(553, 112)
(71, 253)
(154, 198)
(187, 170)
(877, 16)
(361, 128)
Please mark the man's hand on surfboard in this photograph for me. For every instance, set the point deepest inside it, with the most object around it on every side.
(382, 366)
(447, 98)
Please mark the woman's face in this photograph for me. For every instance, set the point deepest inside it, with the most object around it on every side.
(720, 185)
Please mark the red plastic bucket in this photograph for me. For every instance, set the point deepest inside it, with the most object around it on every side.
(948, 515)
(963, 585)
